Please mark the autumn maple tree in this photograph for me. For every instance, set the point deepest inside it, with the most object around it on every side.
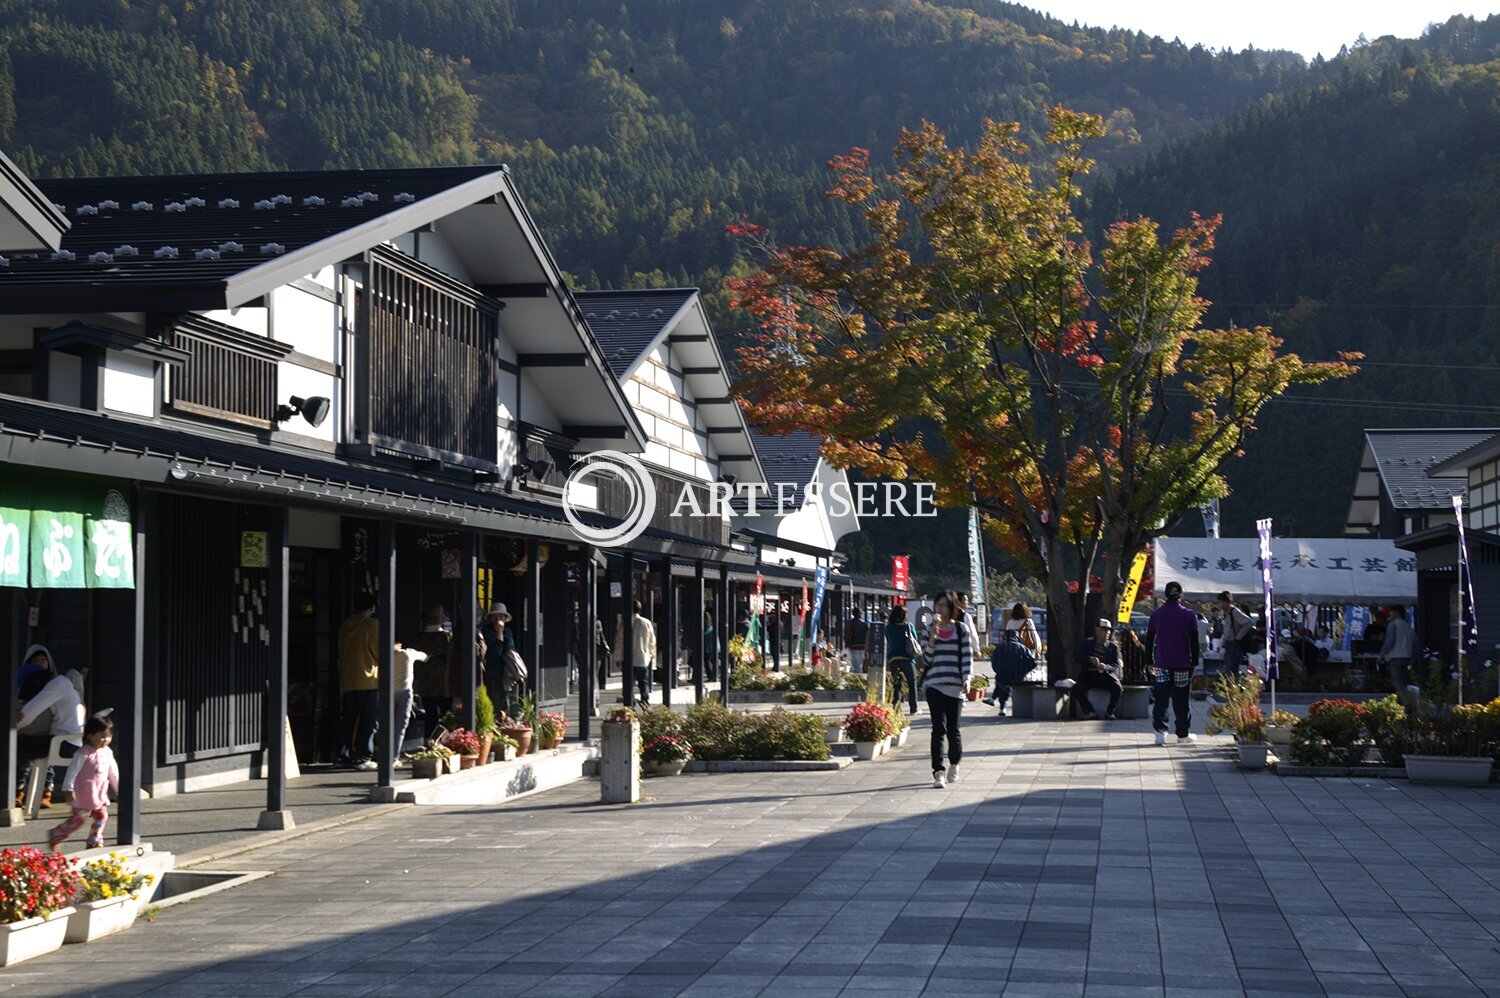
(978, 341)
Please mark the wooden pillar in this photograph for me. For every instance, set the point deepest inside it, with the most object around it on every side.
(666, 638)
(130, 733)
(15, 605)
(627, 630)
(699, 622)
(773, 611)
(277, 815)
(466, 616)
(385, 610)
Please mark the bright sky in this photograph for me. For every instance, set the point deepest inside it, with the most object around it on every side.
(1305, 26)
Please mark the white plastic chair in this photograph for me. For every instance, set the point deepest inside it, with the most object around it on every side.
(38, 775)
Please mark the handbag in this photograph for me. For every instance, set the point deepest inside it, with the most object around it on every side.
(1028, 637)
(515, 667)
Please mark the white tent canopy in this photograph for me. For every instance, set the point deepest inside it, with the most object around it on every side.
(1305, 570)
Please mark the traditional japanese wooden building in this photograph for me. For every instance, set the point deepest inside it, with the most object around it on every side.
(232, 403)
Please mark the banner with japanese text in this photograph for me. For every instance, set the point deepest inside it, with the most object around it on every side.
(819, 590)
(66, 532)
(1132, 587)
(1308, 570)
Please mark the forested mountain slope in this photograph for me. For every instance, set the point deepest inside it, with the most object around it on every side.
(1362, 213)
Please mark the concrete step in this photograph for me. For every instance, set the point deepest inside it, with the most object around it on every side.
(498, 782)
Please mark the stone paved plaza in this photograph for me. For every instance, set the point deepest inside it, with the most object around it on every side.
(1072, 859)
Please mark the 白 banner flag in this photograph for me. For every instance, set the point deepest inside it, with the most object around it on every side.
(1267, 562)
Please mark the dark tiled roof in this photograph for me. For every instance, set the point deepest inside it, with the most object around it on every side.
(1403, 458)
(626, 322)
(791, 459)
(214, 213)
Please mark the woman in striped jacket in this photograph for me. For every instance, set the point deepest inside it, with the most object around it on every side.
(950, 661)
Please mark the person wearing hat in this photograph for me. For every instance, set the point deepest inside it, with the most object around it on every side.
(1173, 649)
(499, 642)
(1099, 658)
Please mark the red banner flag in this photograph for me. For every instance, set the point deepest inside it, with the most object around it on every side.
(899, 573)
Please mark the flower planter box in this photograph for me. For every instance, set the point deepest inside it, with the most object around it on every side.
(33, 937)
(452, 763)
(834, 735)
(468, 761)
(1448, 768)
(666, 768)
(971, 695)
(902, 737)
(1253, 754)
(93, 919)
(507, 753)
(551, 743)
(1279, 737)
(866, 750)
(427, 769)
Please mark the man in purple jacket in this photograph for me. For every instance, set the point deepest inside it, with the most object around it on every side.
(1172, 649)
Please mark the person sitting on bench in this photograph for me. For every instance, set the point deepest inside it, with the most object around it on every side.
(1100, 658)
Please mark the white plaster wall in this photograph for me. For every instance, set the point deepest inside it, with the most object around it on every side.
(534, 407)
(677, 441)
(251, 319)
(432, 249)
(128, 384)
(305, 383)
(306, 323)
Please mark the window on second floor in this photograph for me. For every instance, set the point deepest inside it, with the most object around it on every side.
(429, 364)
(229, 375)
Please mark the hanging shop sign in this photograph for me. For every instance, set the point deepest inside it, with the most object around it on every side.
(66, 532)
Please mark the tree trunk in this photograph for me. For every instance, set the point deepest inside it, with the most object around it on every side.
(1063, 612)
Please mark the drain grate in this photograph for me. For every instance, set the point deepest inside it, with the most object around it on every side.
(178, 886)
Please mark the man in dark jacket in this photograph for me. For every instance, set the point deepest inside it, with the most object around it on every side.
(1172, 647)
(1100, 658)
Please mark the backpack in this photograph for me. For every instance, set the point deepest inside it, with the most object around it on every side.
(515, 668)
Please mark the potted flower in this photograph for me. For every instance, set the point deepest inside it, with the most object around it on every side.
(868, 725)
(551, 728)
(36, 889)
(1250, 738)
(110, 899)
(797, 697)
(666, 756)
(518, 730)
(977, 686)
(504, 745)
(620, 715)
(431, 762)
(903, 725)
(1279, 729)
(1332, 734)
(1450, 746)
(465, 744)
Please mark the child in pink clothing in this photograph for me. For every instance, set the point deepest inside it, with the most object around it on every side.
(97, 776)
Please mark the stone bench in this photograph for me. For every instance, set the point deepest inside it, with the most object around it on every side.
(1021, 696)
(1135, 703)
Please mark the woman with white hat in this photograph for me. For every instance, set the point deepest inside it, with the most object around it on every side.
(499, 644)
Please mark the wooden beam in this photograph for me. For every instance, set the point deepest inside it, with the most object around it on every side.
(598, 432)
(539, 289)
(703, 370)
(736, 457)
(715, 400)
(688, 338)
(724, 429)
(552, 359)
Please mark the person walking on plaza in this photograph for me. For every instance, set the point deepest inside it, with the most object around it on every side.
(1172, 647)
(432, 680)
(643, 634)
(950, 663)
(901, 653)
(97, 775)
(856, 636)
(499, 673)
(359, 683)
(1399, 649)
(1099, 657)
(1237, 627)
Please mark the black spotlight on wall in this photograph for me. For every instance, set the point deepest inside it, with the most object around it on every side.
(314, 409)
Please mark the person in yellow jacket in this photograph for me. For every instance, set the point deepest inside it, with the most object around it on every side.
(359, 684)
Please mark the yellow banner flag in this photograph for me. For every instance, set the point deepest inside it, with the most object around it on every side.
(1132, 587)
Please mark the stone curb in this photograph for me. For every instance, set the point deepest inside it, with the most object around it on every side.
(253, 842)
(1374, 772)
(769, 765)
